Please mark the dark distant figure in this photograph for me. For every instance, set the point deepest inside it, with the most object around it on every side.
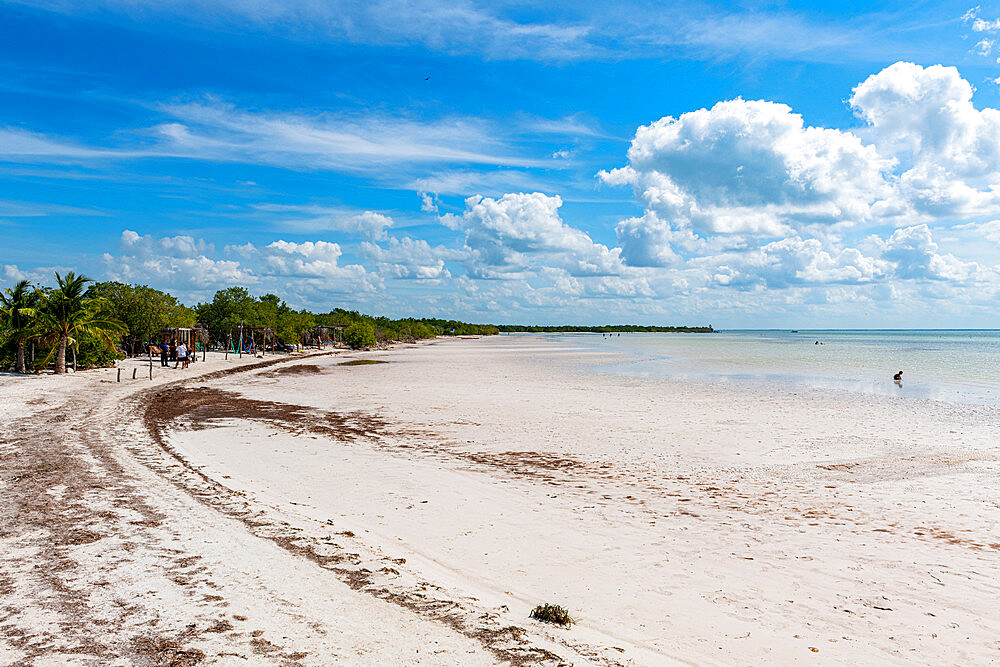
(816, 343)
(164, 354)
(898, 378)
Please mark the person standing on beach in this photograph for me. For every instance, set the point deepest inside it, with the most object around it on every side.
(181, 355)
(164, 354)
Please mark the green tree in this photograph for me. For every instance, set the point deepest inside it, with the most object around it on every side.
(142, 309)
(360, 334)
(228, 309)
(67, 314)
(17, 312)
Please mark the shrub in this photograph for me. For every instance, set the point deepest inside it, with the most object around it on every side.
(552, 613)
(360, 334)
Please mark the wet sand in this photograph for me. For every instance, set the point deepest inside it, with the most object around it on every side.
(427, 504)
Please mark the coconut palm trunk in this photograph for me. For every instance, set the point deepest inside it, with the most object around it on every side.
(61, 355)
(19, 366)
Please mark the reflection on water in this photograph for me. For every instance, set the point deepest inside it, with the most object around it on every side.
(955, 366)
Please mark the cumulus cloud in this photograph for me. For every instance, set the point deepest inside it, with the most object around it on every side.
(428, 202)
(792, 261)
(517, 231)
(411, 259)
(173, 260)
(916, 255)
(949, 149)
(745, 194)
(182, 262)
(42, 275)
(753, 168)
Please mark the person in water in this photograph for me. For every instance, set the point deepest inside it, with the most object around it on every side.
(898, 378)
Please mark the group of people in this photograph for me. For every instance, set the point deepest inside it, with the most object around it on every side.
(176, 352)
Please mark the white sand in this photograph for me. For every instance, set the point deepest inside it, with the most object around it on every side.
(678, 521)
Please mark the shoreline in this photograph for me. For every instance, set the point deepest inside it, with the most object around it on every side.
(502, 475)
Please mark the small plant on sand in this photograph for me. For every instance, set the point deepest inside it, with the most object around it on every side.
(552, 613)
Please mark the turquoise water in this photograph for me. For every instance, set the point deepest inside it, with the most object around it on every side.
(950, 365)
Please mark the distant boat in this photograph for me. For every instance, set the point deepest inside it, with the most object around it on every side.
(795, 330)
(469, 337)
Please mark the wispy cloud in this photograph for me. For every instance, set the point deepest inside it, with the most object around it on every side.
(311, 218)
(221, 132)
(500, 30)
(20, 209)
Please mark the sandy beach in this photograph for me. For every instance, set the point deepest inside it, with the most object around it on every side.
(300, 510)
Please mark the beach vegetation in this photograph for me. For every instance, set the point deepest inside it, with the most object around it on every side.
(360, 334)
(66, 315)
(552, 613)
(143, 310)
(17, 315)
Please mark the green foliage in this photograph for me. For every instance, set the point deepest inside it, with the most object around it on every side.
(226, 311)
(17, 319)
(111, 317)
(360, 334)
(66, 315)
(143, 310)
(552, 613)
(234, 306)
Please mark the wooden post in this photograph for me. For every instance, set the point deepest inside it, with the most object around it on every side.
(134, 372)
(74, 358)
(119, 373)
(241, 340)
(149, 351)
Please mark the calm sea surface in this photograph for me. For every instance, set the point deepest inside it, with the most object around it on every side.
(957, 366)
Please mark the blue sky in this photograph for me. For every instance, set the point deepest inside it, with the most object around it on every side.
(743, 164)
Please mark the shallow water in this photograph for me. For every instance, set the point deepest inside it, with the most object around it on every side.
(961, 366)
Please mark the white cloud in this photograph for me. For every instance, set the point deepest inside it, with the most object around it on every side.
(989, 230)
(752, 168)
(428, 202)
(212, 130)
(42, 275)
(316, 218)
(916, 256)
(950, 151)
(18, 209)
(192, 266)
(411, 259)
(178, 261)
(516, 232)
(569, 31)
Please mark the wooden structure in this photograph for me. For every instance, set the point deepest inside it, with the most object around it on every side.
(252, 340)
(320, 336)
(194, 338)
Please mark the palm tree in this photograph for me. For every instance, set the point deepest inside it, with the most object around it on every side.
(17, 311)
(67, 314)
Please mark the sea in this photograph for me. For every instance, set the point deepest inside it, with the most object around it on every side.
(959, 366)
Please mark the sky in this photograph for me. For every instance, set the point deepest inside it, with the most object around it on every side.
(744, 164)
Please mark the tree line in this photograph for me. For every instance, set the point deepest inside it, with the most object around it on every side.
(96, 323)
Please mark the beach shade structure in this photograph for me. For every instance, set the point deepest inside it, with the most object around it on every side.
(195, 338)
(322, 335)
